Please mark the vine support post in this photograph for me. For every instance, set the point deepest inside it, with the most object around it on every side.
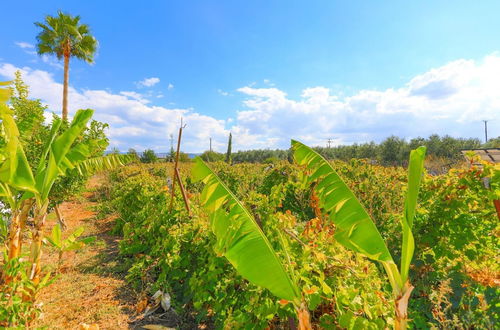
(496, 202)
(176, 175)
(60, 218)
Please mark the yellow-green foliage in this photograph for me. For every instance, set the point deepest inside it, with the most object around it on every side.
(455, 223)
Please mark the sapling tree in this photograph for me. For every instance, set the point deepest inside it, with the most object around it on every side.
(229, 149)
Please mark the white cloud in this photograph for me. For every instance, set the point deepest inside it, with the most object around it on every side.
(24, 45)
(148, 82)
(451, 99)
(170, 86)
(133, 122)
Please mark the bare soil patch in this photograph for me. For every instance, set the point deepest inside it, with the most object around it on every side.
(90, 287)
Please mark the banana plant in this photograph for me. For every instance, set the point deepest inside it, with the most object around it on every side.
(69, 244)
(24, 189)
(243, 243)
(15, 173)
(59, 155)
(354, 227)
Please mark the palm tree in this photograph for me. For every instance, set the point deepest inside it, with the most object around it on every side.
(64, 36)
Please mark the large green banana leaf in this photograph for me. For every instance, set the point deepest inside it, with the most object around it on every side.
(76, 155)
(415, 170)
(14, 169)
(59, 149)
(54, 129)
(354, 226)
(240, 239)
(42, 163)
(107, 162)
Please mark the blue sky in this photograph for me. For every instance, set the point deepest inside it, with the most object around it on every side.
(271, 70)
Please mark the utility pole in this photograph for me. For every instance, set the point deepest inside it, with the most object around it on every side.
(210, 144)
(485, 131)
(329, 143)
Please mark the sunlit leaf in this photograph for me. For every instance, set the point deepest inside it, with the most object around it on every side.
(240, 239)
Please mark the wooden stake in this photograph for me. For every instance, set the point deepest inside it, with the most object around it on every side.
(177, 176)
(60, 218)
(496, 202)
(183, 191)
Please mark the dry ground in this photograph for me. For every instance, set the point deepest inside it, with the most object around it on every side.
(90, 288)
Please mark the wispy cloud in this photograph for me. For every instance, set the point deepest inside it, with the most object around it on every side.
(52, 61)
(135, 96)
(223, 93)
(47, 59)
(24, 45)
(268, 82)
(148, 82)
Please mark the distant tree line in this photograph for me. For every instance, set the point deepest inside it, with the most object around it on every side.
(149, 156)
(392, 151)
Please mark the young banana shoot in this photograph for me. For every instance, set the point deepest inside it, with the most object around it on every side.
(242, 242)
(354, 227)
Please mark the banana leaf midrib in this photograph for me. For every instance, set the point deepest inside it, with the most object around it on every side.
(211, 179)
(306, 156)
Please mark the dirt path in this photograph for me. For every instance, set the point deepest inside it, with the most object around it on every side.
(90, 288)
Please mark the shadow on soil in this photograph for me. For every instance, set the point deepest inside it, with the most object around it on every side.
(108, 262)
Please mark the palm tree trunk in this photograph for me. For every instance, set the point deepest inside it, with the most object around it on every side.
(36, 244)
(65, 87)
